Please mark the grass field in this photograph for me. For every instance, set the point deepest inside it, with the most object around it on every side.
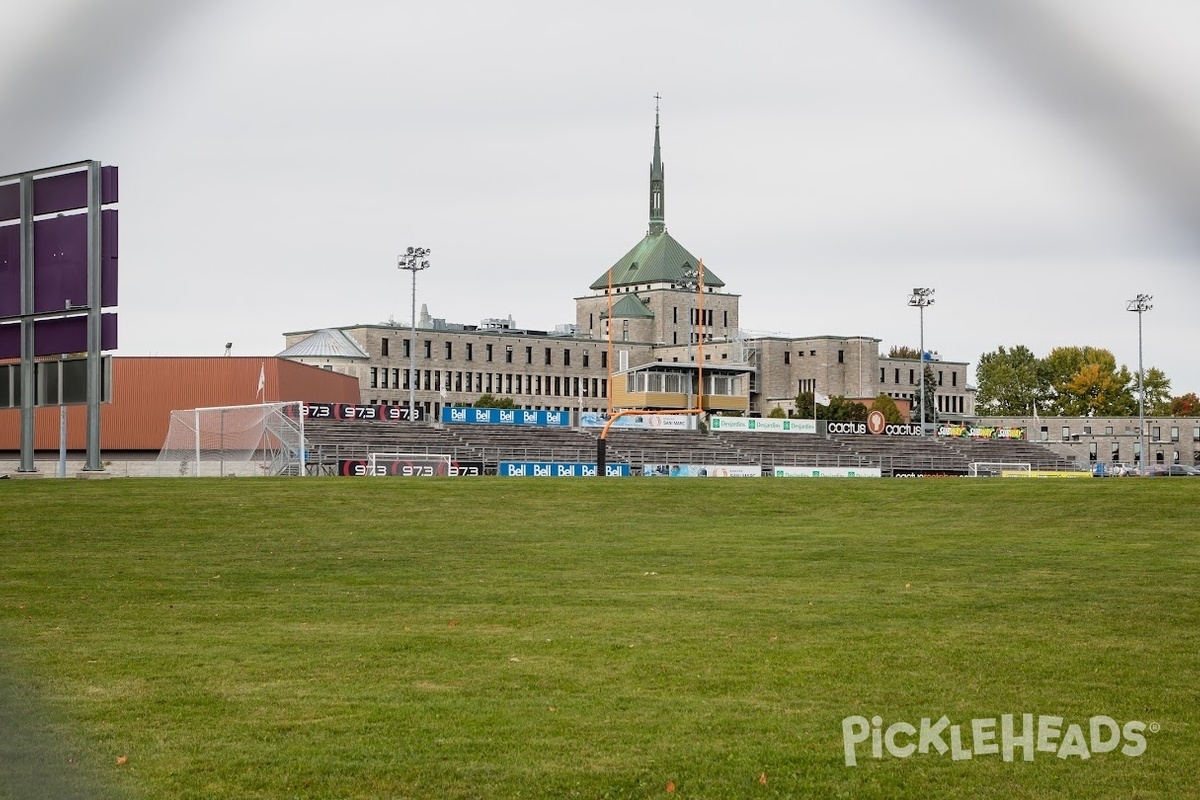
(390, 638)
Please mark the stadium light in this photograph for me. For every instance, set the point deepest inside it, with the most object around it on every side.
(921, 298)
(414, 260)
(1140, 304)
(692, 281)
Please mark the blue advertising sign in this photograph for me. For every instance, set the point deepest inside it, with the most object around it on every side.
(550, 469)
(458, 415)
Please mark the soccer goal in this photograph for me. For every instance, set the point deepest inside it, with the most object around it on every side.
(1000, 469)
(258, 440)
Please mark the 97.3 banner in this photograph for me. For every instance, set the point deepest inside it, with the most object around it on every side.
(432, 467)
(355, 411)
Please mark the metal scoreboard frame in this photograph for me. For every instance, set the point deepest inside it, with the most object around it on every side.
(57, 273)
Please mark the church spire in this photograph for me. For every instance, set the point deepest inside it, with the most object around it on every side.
(657, 218)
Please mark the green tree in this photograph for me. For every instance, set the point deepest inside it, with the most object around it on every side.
(777, 413)
(930, 397)
(839, 408)
(1158, 392)
(491, 401)
(1083, 381)
(1008, 382)
(887, 405)
(1185, 405)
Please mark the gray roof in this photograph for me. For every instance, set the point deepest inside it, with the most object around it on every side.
(325, 343)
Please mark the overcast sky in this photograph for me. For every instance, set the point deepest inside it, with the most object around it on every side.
(1037, 163)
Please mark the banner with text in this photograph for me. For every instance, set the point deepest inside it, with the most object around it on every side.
(671, 422)
(702, 470)
(550, 469)
(828, 472)
(460, 415)
(353, 411)
(764, 425)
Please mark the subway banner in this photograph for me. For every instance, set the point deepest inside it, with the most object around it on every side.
(459, 415)
(432, 466)
(551, 469)
(670, 422)
(702, 470)
(980, 432)
(764, 425)
(827, 472)
(354, 411)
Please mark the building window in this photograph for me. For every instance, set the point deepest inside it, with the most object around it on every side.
(912, 377)
(1045, 434)
(812, 352)
(1066, 433)
(449, 350)
(1156, 433)
(383, 384)
(1087, 429)
(954, 379)
(1174, 433)
(408, 348)
(787, 356)
(1092, 452)
(883, 374)
(1108, 430)
(549, 359)
(674, 315)
(470, 351)
(508, 354)
(429, 348)
(566, 357)
(529, 354)
(383, 347)
(725, 324)
(939, 377)
(374, 377)
(1196, 434)
(604, 362)
(1116, 452)
(841, 356)
(489, 352)
(586, 359)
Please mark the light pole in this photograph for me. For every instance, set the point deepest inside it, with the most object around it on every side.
(414, 260)
(693, 279)
(1140, 304)
(922, 298)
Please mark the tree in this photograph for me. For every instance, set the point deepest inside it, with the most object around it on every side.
(930, 397)
(777, 413)
(904, 351)
(1158, 392)
(1008, 382)
(1186, 405)
(887, 405)
(839, 408)
(491, 401)
(1085, 381)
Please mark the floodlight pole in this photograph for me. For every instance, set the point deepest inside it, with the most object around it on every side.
(1141, 304)
(922, 297)
(414, 259)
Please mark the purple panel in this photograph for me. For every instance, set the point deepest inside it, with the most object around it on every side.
(65, 192)
(10, 270)
(60, 263)
(53, 337)
(108, 262)
(10, 201)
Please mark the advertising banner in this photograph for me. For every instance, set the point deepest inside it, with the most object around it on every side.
(550, 469)
(416, 467)
(466, 415)
(353, 411)
(671, 422)
(827, 472)
(930, 473)
(702, 470)
(981, 432)
(765, 425)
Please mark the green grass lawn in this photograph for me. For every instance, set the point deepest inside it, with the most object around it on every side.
(445, 638)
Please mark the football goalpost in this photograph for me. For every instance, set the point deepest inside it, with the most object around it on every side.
(1000, 469)
(264, 440)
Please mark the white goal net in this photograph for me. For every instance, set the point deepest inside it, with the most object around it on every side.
(1000, 469)
(257, 440)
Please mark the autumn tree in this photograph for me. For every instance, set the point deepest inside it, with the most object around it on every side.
(1085, 381)
(1186, 405)
(904, 351)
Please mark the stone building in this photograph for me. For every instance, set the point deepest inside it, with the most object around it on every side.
(658, 328)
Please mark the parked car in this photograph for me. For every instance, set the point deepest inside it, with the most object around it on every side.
(1182, 470)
